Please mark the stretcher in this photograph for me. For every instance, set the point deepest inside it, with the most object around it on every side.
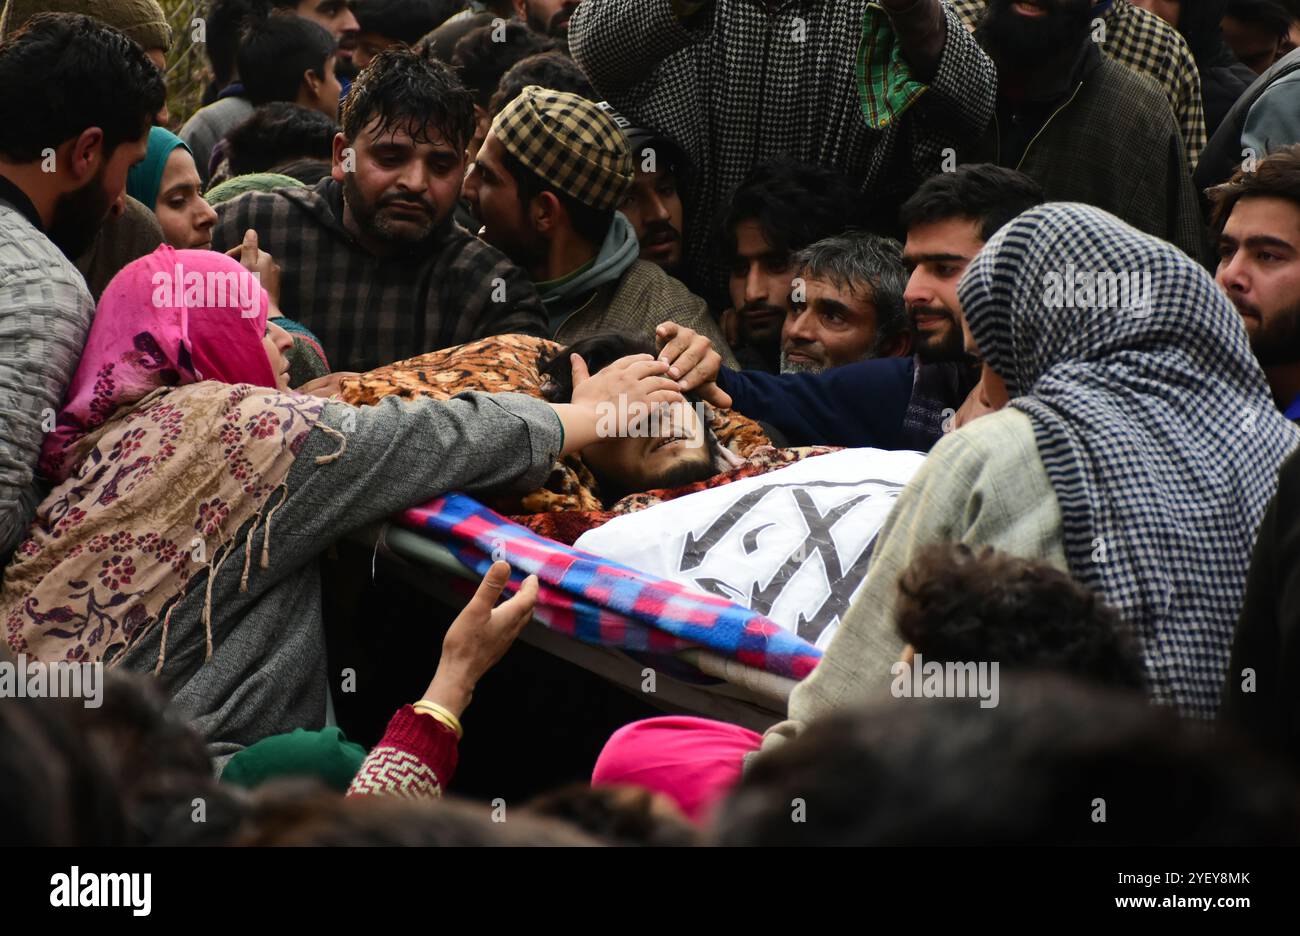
(695, 681)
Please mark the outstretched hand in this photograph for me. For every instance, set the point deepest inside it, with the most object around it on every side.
(480, 637)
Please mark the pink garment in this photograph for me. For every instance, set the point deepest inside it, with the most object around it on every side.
(171, 318)
(693, 761)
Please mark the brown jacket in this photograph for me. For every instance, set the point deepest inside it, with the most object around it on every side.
(638, 301)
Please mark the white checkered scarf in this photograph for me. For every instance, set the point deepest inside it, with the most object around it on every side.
(1157, 431)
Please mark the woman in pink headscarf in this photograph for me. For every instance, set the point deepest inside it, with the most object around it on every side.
(177, 453)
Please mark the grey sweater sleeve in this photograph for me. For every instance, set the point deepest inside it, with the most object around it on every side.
(400, 453)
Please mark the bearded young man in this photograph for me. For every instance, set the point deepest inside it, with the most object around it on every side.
(1257, 219)
(63, 166)
(548, 17)
(371, 259)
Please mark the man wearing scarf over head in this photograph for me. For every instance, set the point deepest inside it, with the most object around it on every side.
(1138, 450)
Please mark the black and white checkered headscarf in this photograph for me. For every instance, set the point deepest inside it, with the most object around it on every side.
(1153, 421)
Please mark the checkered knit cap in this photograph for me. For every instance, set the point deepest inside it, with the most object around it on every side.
(569, 143)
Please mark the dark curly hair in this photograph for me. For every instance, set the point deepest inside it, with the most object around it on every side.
(956, 604)
(480, 59)
(62, 73)
(400, 90)
(599, 351)
(277, 133)
(1277, 175)
(554, 71)
(794, 203)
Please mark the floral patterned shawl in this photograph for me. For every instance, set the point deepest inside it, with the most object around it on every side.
(173, 436)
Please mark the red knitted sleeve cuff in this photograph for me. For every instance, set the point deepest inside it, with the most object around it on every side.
(416, 757)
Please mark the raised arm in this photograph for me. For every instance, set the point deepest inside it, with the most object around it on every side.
(417, 755)
(364, 463)
(958, 104)
(618, 43)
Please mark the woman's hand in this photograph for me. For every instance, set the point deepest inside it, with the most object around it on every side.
(479, 637)
(331, 385)
(630, 383)
(637, 378)
(263, 264)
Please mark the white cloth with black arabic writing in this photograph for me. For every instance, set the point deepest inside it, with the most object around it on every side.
(793, 544)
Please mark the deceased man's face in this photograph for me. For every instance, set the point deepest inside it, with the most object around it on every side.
(668, 447)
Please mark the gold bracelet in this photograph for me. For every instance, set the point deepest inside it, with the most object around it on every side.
(444, 715)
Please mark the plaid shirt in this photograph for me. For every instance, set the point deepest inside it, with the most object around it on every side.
(1147, 44)
(369, 311)
(746, 80)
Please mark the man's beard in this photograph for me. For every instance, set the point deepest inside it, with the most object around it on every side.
(1276, 340)
(683, 473)
(799, 367)
(523, 251)
(660, 232)
(1022, 42)
(769, 335)
(934, 348)
(372, 222)
(557, 27)
(679, 474)
(79, 215)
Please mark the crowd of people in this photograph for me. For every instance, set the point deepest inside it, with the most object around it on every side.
(1053, 244)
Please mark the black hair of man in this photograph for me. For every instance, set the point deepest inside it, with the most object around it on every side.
(794, 203)
(276, 51)
(400, 90)
(981, 192)
(617, 815)
(599, 351)
(1269, 15)
(277, 133)
(960, 605)
(63, 73)
(481, 58)
(293, 812)
(554, 71)
(1277, 175)
(1036, 769)
(404, 20)
(225, 24)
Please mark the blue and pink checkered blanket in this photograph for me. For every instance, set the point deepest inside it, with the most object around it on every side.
(603, 602)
